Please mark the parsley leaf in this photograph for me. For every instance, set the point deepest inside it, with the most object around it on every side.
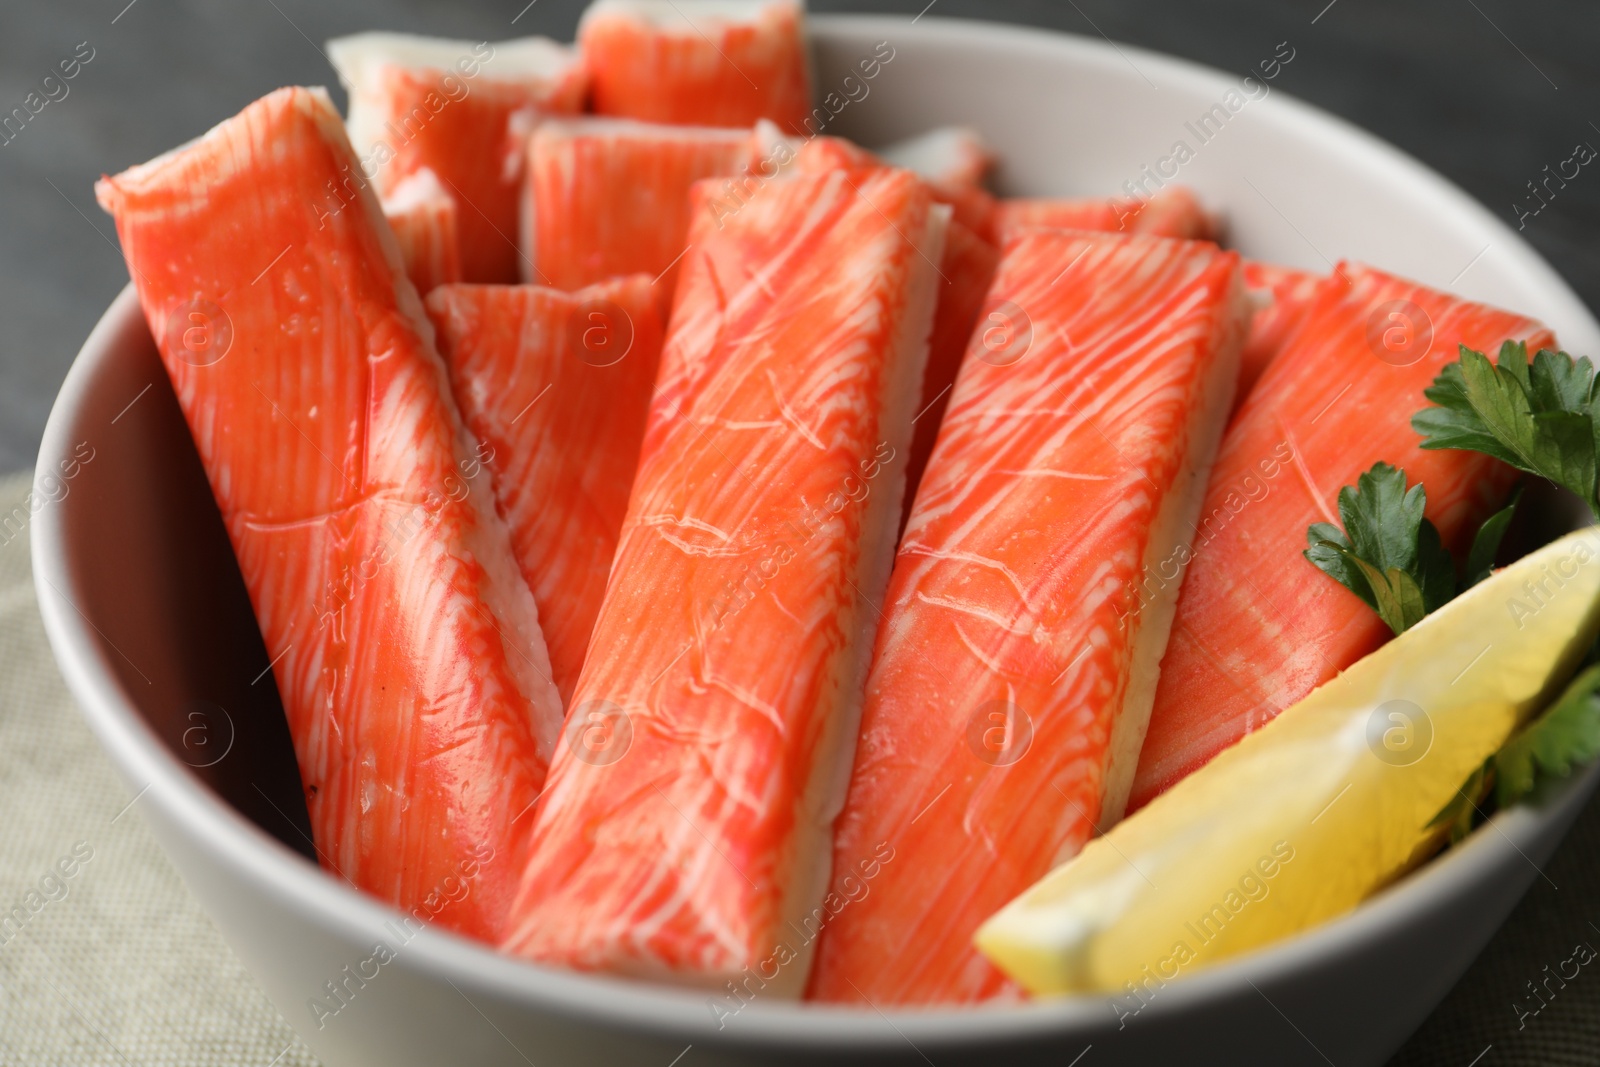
(1388, 554)
(1486, 543)
(1564, 737)
(1541, 417)
(1461, 813)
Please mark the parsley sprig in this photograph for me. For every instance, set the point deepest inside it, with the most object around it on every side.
(1541, 417)
(1390, 555)
(1547, 750)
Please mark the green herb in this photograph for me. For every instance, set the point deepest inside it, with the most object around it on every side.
(1461, 813)
(1486, 543)
(1541, 417)
(1564, 737)
(1388, 553)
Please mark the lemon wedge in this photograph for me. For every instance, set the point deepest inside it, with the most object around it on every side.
(1315, 811)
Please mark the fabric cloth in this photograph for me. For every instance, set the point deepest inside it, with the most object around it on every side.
(105, 958)
(114, 963)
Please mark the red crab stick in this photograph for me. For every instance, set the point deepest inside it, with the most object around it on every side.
(611, 196)
(972, 207)
(557, 385)
(1289, 295)
(1257, 626)
(1172, 212)
(686, 828)
(463, 110)
(699, 62)
(404, 641)
(945, 155)
(423, 217)
(1013, 672)
(965, 271)
(954, 161)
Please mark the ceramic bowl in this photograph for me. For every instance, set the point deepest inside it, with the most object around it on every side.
(149, 620)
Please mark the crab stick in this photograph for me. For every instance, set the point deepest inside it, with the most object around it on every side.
(699, 62)
(423, 217)
(686, 828)
(1172, 212)
(965, 271)
(1175, 212)
(1015, 664)
(1288, 294)
(1257, 626)
(607, 197)
(464, 111)
(404, 640)
(954, 161)
(945, 155)
(557, 386)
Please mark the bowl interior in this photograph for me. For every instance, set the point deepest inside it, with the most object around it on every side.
(149, 614)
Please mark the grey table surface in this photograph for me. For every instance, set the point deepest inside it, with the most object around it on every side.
(1488, 92)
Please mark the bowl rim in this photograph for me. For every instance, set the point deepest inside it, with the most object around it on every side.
(625, 1005)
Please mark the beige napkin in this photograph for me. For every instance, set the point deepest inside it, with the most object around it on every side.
(105, 958)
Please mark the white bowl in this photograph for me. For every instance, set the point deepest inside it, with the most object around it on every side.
(150, 623)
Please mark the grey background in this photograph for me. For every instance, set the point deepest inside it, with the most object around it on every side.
(1486, 91)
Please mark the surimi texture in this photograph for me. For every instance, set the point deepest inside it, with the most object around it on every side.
(1175, 212)
(1250, 640)
(1101, 214)
(946, 155)
(464, 111)
(404, 642)
(611, 196)
(1172, 212)
(1289, 294)
(965, 270)
(732, 643)
(425, 223)
(699, 62)
(970, 205)
(557, 385)
(1010, 682)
